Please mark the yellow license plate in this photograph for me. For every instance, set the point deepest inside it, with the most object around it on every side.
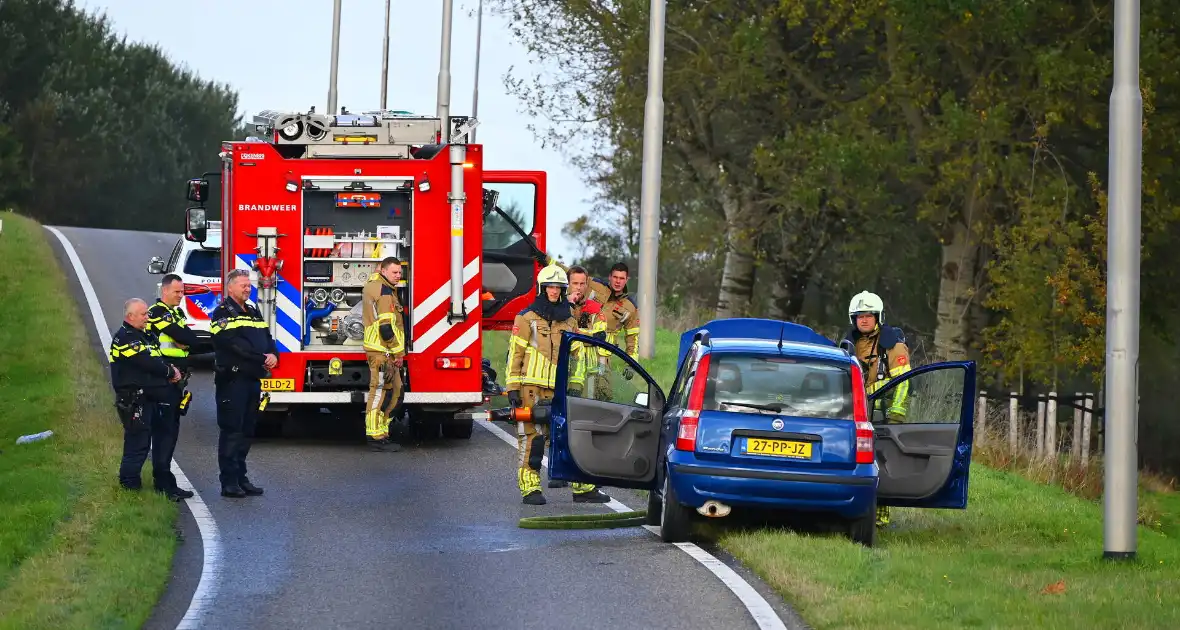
(778, 448)
(278, 384)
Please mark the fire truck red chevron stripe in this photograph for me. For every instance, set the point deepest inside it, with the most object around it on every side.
(427, 307)
(429, 321)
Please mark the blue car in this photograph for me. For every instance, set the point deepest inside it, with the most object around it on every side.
(764, 414)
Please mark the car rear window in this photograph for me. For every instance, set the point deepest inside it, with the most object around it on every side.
(203, 263)
(793, 386)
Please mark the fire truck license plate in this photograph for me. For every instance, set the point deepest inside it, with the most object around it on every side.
(278, 384)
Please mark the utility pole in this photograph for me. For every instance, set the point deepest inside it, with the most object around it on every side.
(444, 72)
(335, 57)
(385, 61)
(475, 89)
(653, 155)
(1120, 493)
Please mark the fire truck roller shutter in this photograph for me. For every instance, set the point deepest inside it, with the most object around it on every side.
(287, 331)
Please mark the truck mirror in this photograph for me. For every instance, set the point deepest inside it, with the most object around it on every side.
(196, 225)
(198, 190)
(490, 197)
(155, 266)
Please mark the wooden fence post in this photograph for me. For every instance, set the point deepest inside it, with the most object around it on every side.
(1040, 444)
(1087, 417)
(1014, 421)
(1051, 426)
(1075, 448)
(981, 423)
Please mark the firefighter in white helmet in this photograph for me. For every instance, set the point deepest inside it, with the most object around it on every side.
(883, 357)
(531, 380)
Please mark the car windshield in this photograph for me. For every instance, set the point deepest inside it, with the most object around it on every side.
(203, 262)
(795, 386)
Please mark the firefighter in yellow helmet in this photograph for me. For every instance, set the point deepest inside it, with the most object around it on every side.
(386, 349)
(883, 357)
(531, 380)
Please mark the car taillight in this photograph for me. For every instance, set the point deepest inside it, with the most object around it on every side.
(686, 438)
(196, 289)
(860, 415)
(452, 363)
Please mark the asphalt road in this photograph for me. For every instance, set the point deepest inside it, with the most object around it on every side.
(424, 538)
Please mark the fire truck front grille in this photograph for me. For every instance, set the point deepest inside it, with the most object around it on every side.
(354, 375)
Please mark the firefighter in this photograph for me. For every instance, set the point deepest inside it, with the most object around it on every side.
(883, 356)
(619, 312)
(386, 349)
(532, 372)
(585, 310)
(141, 380)
(244, 352)
(168, 323)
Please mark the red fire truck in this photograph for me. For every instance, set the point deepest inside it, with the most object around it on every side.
(311, 205)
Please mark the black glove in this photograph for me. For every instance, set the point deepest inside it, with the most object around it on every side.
(600, 335)
(514, 398)
(628, 374)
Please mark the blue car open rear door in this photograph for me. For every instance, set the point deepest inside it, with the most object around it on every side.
(605, 428)
(923, 423)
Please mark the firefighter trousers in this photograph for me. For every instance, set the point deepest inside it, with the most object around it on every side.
(385, 387)
(531, 444)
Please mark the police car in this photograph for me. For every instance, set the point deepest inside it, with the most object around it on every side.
(199, 266)
(766, 414)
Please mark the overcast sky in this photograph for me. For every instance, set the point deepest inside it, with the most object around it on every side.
(277, 53)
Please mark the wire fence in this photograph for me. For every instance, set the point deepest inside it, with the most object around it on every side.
(1046, 425)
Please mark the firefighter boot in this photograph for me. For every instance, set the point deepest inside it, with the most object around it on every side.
(534, 498)
(588, 493)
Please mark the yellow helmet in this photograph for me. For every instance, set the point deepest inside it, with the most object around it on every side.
(552, 276)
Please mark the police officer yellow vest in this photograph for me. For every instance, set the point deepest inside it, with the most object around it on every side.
(168, 345)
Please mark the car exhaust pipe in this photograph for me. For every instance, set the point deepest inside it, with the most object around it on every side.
(714, 509)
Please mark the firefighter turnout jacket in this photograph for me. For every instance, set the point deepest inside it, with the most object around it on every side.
(241, 339)
(136, 362)
(535, 343)
(884, 356)
(619, 316)
(170, 325)
(382, 316)
(586, 313)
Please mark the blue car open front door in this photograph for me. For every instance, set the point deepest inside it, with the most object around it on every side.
(605, 426)
(923, 423)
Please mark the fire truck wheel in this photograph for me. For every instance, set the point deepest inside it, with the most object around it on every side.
(423, 425)
(458, 429)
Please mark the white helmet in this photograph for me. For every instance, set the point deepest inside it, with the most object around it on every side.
(866, 302)
(552, 276)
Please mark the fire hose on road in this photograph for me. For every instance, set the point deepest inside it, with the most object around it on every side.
(635, 518)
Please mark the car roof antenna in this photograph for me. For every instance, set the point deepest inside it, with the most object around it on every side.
(781, 332)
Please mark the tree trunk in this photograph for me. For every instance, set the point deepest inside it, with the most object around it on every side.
(737, 278)
(956, 290)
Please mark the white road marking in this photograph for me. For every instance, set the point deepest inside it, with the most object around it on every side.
(210, 538)
(762, 612)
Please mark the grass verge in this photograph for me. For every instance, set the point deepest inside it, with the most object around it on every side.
(75, 550)
(1026, 553)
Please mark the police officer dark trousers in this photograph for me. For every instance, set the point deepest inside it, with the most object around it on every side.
(141, 380)
(167, 322)
(244, 352)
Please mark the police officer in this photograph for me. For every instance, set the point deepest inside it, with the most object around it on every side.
(245, 353)
(386, 349)
(168, 323)
(141, 380)
(531, 380)
(883, 356)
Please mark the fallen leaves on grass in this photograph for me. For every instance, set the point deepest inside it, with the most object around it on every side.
(1055, 588)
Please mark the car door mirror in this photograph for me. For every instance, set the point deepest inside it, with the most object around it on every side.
(155, 266)
(196, 225)
(641, 399)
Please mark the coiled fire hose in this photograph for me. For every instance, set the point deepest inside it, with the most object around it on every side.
(614, 520)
